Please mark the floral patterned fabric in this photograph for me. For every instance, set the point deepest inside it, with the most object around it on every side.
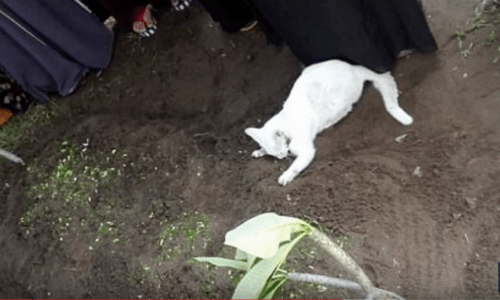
(12, 96)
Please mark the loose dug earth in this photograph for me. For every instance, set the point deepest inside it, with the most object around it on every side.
(148, 166)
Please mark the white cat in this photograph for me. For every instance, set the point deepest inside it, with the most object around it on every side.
(323, 94)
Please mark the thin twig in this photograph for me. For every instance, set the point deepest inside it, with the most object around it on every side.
(11, 157)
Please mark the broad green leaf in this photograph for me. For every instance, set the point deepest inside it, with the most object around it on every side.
(262, 235)
(223, 262)
(254, 282)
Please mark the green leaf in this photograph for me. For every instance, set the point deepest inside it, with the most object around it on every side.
(223, 262)
(255, 281)
(262, 235)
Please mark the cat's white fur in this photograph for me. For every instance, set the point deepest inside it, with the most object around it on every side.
(322, 95)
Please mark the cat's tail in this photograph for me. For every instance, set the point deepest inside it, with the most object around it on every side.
(387, 86)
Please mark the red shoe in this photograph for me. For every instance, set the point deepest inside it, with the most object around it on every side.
(145, 23)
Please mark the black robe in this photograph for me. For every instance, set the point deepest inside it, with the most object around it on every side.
(365, 32)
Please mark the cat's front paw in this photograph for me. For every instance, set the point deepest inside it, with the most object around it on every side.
(258, 153)
(286, 178)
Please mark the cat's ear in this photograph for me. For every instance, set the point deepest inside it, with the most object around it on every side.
(259, 136)
(254, 134)
(273, 142)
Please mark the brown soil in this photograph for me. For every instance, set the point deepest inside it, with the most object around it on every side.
(178, 104)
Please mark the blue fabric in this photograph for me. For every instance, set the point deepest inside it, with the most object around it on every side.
(48, 45)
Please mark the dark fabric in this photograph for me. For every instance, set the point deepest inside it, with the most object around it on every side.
(48, 45)
(366, 32)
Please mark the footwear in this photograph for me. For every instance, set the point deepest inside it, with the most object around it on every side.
(110, 23)
(405, 53)
(145, 23)
(249, 26)
(180, 5)
(5, 115)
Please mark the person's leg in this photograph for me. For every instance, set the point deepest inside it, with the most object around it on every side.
(231, 14)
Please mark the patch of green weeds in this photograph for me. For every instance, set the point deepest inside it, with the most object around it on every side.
(67, 197)
(19, 130)
(139, 275)
(491, 39)
(192, 230)
(177, 240)
(460, 34)
(488, 18)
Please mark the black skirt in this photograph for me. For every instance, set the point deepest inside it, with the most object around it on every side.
(365, 32)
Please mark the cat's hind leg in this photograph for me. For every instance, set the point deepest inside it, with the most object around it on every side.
(398, 113)
(387, 86)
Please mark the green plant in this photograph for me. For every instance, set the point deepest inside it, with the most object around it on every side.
(262, 246)
(137, 276)
(492, 37)
(488, 16)
(190, 232)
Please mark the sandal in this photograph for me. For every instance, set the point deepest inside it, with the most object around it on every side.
(250, 26)
(110, 23)
(145, 22)
(180, 5)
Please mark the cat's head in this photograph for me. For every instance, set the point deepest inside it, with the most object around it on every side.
(274, 142)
